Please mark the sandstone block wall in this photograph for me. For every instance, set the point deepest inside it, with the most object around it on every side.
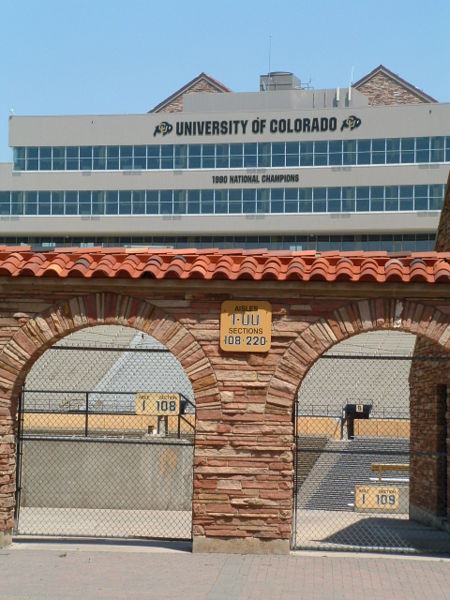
(382, 90)
(176, 105)
(430, 405)
(243, 458)
(430, 433)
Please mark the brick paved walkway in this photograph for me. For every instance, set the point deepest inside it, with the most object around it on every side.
(50, 571)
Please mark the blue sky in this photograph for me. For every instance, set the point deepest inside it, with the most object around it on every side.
(125, 56)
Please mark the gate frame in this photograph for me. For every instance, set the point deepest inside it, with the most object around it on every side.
(428, 323)
(43, 330)
(439, 357)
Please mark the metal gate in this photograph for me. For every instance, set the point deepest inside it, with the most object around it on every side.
(92, 461)
(352, 435)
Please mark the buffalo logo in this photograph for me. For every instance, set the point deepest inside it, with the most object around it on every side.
(351, 123)
(163, 128)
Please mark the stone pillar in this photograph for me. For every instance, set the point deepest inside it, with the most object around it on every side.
(7, 473)
(429, 424)
(430, 427)
(243, 473)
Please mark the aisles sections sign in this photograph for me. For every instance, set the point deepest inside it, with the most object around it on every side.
(245, 326)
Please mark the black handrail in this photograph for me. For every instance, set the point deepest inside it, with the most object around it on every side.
(86, 410)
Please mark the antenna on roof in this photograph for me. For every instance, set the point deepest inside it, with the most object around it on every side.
(270, 51)
(350, 84)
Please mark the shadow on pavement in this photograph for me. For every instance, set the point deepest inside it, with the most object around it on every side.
(391, 534)
(180, 546)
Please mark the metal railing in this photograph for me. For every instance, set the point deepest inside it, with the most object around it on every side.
(74, 412)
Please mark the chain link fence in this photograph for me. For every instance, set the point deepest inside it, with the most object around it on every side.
(94, 458)
(353, 452)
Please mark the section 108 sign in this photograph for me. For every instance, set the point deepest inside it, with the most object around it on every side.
(245, 326)
(157, 404)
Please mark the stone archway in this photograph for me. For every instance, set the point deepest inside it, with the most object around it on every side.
(428, 323)
(355, 317)
(38, 333)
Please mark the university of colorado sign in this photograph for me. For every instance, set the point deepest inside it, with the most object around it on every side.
(256, 126)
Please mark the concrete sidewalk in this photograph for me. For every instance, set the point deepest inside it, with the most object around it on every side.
(55, 570)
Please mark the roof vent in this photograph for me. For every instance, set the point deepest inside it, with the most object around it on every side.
(279, 80)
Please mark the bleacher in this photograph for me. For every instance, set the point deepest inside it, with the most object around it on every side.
(107, 368)
(374, 376)
(342, 465)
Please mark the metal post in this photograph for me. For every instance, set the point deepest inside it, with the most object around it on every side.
(179, 426)
(86, 416)
(19, 452)
(293, 540)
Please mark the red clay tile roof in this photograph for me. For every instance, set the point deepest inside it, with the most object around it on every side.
(232, 265)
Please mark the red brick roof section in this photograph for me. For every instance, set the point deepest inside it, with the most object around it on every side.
(385, 71)
(220, 87)
(231, 265)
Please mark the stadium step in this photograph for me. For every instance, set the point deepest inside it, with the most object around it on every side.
(340, 466)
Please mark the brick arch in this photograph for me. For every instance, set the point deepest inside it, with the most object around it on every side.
(40, 332)
(349, 320)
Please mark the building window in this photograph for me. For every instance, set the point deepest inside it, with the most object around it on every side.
(274, 200)
(344, 243)
(234, 156)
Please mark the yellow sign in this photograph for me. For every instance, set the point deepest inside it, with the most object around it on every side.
(376, 497)
(245, 326)
(157, 404)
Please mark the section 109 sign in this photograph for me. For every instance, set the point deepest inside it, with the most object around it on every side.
(376, 497)
(245, 326)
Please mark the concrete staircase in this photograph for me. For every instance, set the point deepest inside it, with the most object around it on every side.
(341, 465)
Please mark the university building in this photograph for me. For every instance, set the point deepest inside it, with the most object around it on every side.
(316, 383)
(285, 167)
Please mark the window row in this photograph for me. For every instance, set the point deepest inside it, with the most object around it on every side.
(390, 243)
(233, 156)
(231, 201)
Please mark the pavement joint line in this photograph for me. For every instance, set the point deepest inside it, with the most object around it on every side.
(231, 579)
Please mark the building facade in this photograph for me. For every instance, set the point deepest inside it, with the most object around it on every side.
(360, 168)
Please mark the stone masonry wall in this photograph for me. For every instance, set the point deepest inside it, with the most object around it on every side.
(177, 103)
(430, 432)
(381, 89)
(243, 459)
(426, 381)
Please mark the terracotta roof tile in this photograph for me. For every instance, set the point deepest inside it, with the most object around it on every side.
(232, 265)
